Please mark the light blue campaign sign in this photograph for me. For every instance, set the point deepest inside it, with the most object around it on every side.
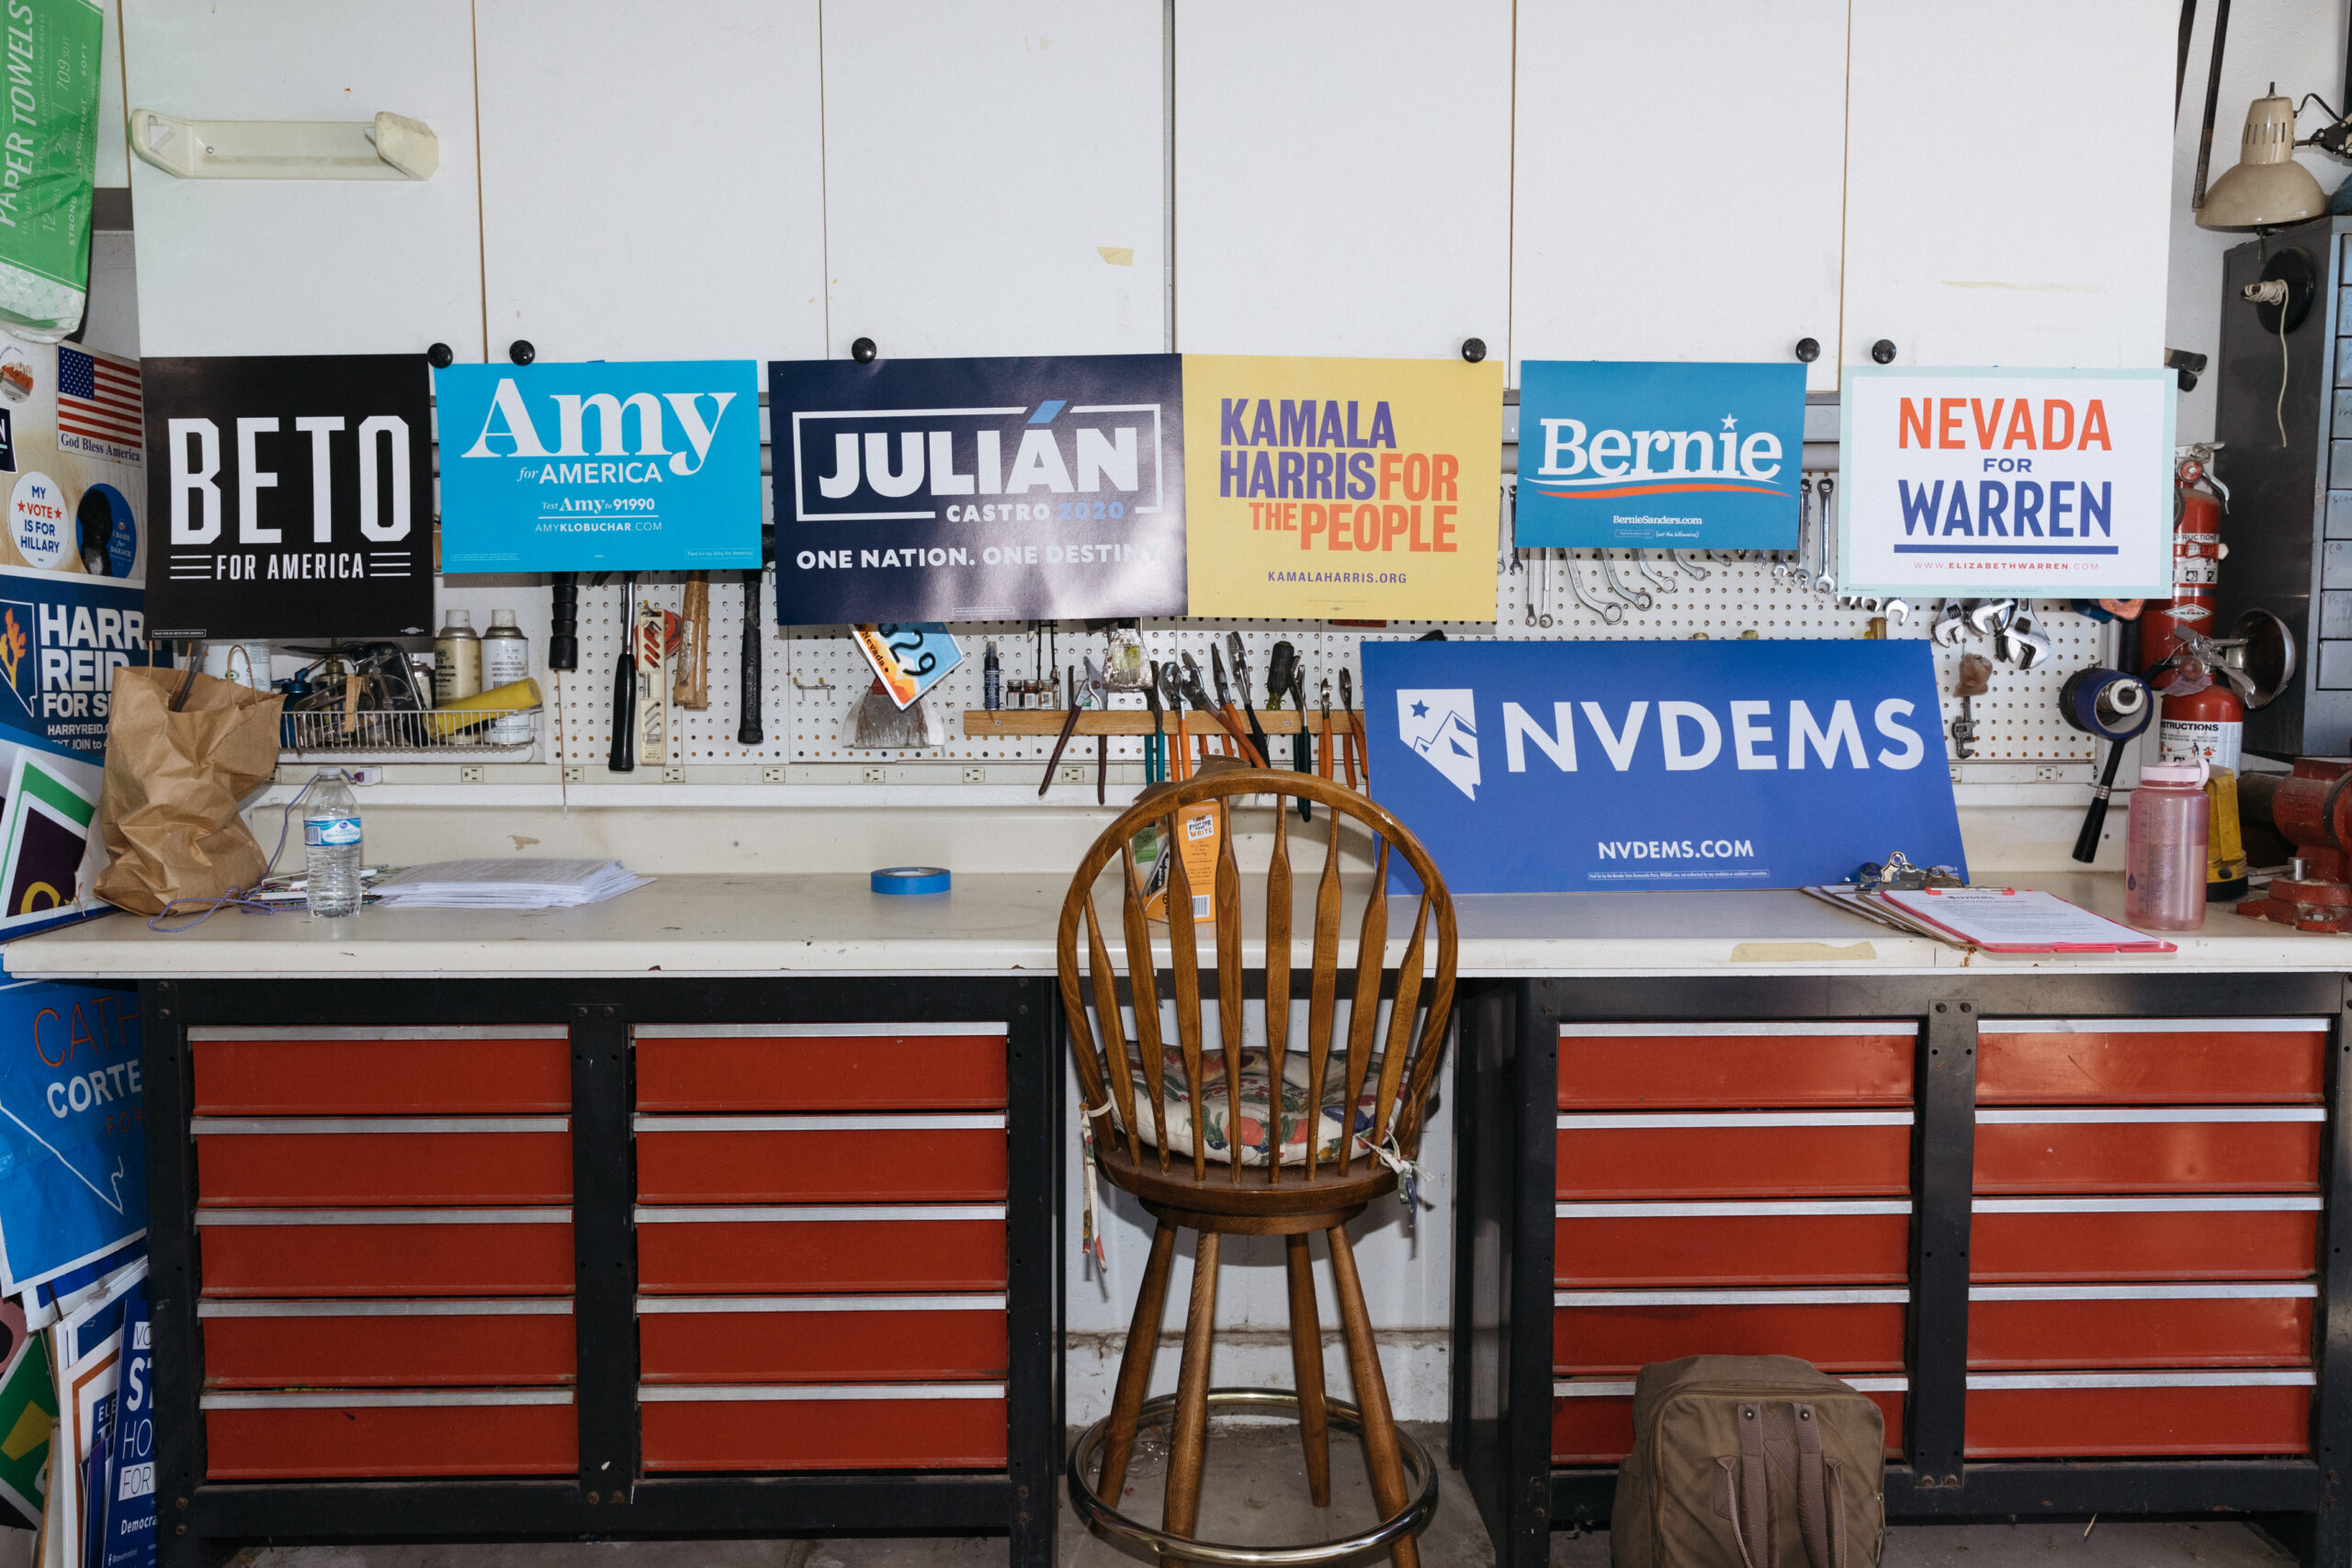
(1594, 766)
(72, 1164)
(606, 467)
(1660, 456)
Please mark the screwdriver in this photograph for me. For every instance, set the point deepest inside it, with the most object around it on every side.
(624, 754)
(1302, 750)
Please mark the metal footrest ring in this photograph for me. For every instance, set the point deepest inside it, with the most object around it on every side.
(1147, 1544)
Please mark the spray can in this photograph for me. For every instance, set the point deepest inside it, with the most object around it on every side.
(505, 658)
(457, 659)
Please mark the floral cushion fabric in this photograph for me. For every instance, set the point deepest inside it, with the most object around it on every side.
(1225, 1127)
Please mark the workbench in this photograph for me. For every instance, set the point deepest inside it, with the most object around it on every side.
(638, 1073)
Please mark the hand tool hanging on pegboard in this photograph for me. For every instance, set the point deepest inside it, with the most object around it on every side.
(749, 729)
(1179, 753)
(690, 682)
(1241, 677)
(623, 756)
(654, 640)
(1301, 756)
(1155, 744)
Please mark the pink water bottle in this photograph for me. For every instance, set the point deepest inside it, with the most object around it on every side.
(2164, 885)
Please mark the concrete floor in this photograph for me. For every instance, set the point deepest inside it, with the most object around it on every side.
(1255, 1494)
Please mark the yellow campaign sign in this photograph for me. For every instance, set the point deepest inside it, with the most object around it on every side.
(1341, 489)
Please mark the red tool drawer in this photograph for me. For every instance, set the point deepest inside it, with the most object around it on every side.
(1593, 1420)
(1605, 1064)
(819, 1066)
(436, 1071)
(385, 1252)
(397, 1344)
(882, 1247)
(392, 1160)
(2149, 1149)
(728, 1339)
(1826, 1242)
(2210, 1323)
(1732, 1154)
(2068, 1415)
(1596, 1332)
(2188, 1237)
(839, 1427)
(819, 1159)
(254, 1437)
(2149, 1061)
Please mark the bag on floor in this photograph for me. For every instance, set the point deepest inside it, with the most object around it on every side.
(1750, 1461)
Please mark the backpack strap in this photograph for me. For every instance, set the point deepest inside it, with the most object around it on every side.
(1818, 1521)
(1751, 1509)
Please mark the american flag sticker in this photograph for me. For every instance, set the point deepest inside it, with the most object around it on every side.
(98, 405)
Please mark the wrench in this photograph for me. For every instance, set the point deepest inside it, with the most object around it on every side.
(1990, 616)
(1948, 626)
(1900, 610)
(1826, 583)
(1697, 573)
(1546, 620)
(2025, 634)
(1639, 598)
(1666, 585)
(1804, 526)
(1610, 613)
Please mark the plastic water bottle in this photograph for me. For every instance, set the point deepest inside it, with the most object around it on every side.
(331, 833)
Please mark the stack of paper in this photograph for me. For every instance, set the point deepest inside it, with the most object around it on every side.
(507, 884)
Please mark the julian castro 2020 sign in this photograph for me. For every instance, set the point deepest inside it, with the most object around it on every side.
(1660, 456)
(1590, 766)
(977, 489)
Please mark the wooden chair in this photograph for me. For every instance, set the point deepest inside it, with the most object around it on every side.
(1220, 1193)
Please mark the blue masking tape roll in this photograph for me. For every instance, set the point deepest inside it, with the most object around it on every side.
(902, 879)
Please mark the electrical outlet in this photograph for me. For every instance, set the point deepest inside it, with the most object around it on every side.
(1071, 775)
(876, 776)
(674, 774)
(976, 775)
(771, 773)
(2049, 773)
(574, 774)
(469, 773)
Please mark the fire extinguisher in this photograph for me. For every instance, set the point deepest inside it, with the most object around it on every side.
(2197, 550)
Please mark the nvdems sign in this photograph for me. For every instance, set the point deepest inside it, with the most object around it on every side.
(1585, 767)
(1660, 456)
(978, 490)
(612, 466)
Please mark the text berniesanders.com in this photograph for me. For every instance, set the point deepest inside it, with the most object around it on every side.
(1675, 849)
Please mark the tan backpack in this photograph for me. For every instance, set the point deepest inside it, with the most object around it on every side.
(1750, 1461)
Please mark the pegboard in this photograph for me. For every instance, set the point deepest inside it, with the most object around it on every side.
(814, 676)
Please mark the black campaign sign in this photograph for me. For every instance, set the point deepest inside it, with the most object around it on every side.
(289, 496)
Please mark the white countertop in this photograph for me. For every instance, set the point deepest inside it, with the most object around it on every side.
(832, 924)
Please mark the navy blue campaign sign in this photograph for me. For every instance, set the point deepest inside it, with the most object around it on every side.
(73, 1162)
(1590, 766)
(608, 466)
(1660, 456)
(978, 490)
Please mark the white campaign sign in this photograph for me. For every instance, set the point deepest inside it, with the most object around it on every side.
(1977, 482)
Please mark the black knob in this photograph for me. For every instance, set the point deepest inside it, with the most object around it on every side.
(521, 351)
(1808, 349)
(1883, 351)
(440, 356)
(864, 350)
(1474, 349)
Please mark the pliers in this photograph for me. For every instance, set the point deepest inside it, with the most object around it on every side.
(1331, 742)
(1353, 730)
(1200, 699)
(1302, 750)
(1241, 675)
(1180, 758)
(1155, 742)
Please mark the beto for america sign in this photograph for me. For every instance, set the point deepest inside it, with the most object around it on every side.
(1588, 767)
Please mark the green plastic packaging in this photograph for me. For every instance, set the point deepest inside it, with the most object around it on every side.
(49, 156)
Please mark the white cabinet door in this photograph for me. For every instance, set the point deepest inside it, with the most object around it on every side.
(307, 266)
(1342, 176)
(652, 181)
(995, 176)
(1632, 237)
(2009, 171)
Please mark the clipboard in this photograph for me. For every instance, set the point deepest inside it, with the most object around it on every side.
(2006, 919)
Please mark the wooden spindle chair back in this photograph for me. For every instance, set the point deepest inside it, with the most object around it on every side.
(1408, 1058)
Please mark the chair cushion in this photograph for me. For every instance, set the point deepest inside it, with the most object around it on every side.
(1256, 1111)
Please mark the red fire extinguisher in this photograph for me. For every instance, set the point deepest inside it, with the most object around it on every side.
(2201, 717)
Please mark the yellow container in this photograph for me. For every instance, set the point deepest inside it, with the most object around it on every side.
(482, 707)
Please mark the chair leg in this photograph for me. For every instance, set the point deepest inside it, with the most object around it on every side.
(1134, 1367)
(1306, 1370)
(1188, 1440)
(1380, 1451)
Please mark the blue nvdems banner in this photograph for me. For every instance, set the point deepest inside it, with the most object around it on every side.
(1660, 456)
(72, 1145)
(609, 465)
(1585, 767)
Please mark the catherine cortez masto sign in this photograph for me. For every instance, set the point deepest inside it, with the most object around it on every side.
(289, 496)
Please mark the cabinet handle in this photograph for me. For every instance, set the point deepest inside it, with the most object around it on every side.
(1883, 351)
(1474, 349)
(440, 356)
(864, 350)
(1808, 349)
(521, 351)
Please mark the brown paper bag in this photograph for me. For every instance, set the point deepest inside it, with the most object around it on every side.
(167, 812)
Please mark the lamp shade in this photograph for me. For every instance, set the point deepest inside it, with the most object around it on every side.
(2268, 187)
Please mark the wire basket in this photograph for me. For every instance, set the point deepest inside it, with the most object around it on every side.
(476, 732)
